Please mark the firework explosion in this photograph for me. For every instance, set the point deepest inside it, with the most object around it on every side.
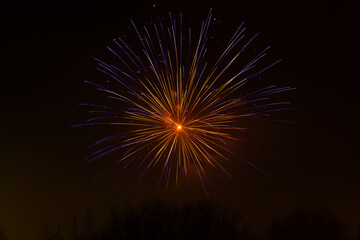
(180, 112)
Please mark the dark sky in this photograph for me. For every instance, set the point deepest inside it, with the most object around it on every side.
(49, 51)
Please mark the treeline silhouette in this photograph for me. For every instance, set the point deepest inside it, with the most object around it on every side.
(203, 220)
(2, 234)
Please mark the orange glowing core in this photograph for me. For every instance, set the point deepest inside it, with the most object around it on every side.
(179, 127)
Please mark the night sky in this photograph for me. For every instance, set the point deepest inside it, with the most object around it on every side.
(49, 51)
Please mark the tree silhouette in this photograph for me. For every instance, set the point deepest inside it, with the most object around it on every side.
(157, 220)
(358, 233)
(307, 225)
(206, 221)
(52, 232)
(2, 234)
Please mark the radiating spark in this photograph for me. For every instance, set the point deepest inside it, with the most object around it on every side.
(180, 112)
